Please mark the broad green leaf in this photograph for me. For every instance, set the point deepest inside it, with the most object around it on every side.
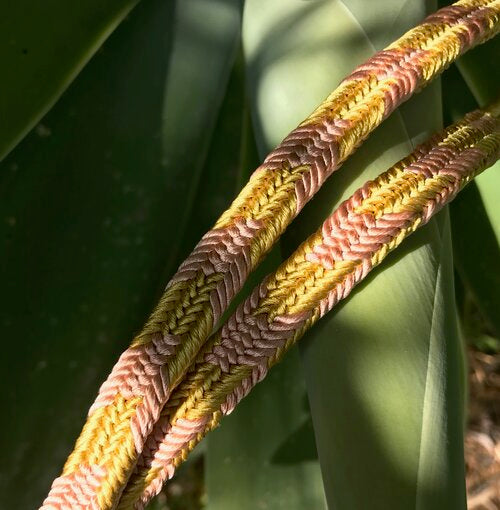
(475, 244)
(477, 255)
(488, 184)
(43, 46)
(481, 72)
(384, 372)
(92, 207)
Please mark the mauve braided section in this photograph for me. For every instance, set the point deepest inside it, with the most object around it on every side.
(63, 497)
(324, 270)
(205, 283)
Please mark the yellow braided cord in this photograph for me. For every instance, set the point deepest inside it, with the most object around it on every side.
(204, 285)
(323, 270)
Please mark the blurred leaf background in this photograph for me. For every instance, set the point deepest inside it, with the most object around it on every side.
(135, 160)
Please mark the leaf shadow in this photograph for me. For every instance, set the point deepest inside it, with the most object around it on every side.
(82, 250)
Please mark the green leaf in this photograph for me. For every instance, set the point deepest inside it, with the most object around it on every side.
(92, 208)
(384, 372)
(488, 184)
(475, 214)
(43, 46)
(482, 74)
(477, 255)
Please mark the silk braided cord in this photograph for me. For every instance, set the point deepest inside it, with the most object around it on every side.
(130, 401)
(322, 271)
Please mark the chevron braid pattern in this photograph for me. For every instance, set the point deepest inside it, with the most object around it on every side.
(323, 270)
(205, 283)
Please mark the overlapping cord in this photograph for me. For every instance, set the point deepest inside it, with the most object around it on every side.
(130, 401)
(322, 271)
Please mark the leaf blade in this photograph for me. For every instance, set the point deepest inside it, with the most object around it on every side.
(476, 211)
(398, 458)
(40, 62)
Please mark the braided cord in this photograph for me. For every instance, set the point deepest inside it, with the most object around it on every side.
(321, 272)
(130, 401)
